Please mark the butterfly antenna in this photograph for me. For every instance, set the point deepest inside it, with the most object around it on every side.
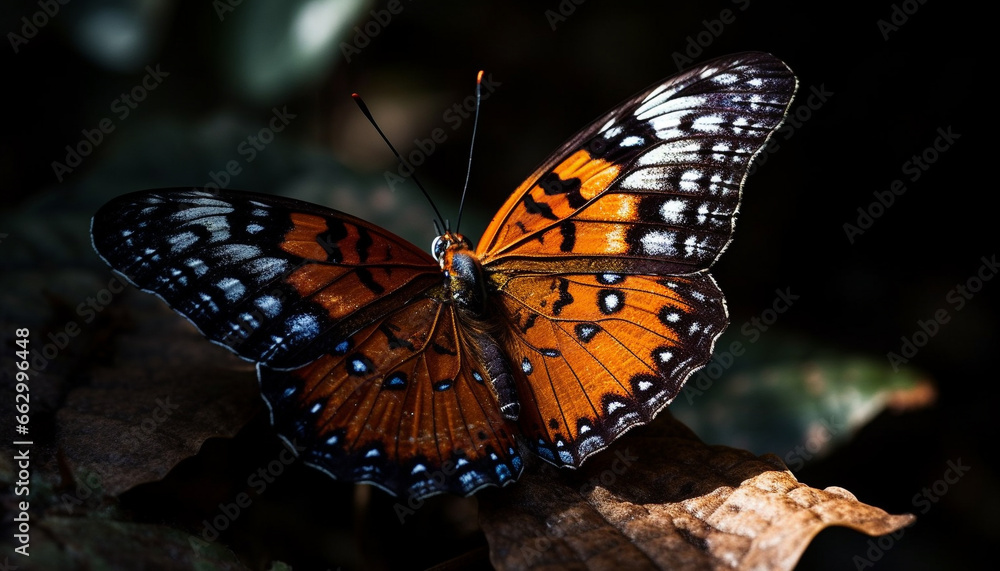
(368, 114)
(468, 171)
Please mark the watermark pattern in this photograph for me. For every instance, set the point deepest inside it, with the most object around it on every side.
(21, 463)
(87, 310)
(899, 15)
(363, 35)
(31, 25)
(224, 8)
(532, 550)
(562, 12)
(696, 44)
(88, 492)
(121, 107)
(258, 481)
(796, 118)
(249, 149)
(923, 500)
(454, 116)
(752, 330)
(914, 167)
(957, 298)
(820, 434)
(138, 434)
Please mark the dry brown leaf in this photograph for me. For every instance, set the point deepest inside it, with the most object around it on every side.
(661, 498)
(168, 391)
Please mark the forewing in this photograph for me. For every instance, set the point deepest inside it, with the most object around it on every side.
(596, 354)
(275, 280)
(651, 187)
(400, 404)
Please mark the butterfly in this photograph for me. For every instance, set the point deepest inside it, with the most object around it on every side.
(583, 309)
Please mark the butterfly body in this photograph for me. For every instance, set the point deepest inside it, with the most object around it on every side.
(581, 312)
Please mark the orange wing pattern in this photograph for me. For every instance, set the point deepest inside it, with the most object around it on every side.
(586, 376)
(652, 186)
(400, 404)
(600, 258)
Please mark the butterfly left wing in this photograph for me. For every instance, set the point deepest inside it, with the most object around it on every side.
(360, 356)
(399, 404)
(599, 260)
(272, 279)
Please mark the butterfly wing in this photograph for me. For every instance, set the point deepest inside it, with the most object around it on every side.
(359, 356)
(652, 186)
(399, 404)
(274, 280)
(599, 259)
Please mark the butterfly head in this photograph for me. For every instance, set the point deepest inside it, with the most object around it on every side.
(444, 246)
(463, 275)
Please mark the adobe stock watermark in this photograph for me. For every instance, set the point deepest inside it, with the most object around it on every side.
(532, 550)
(248, 148)
(258, 481)
(121, 108)
(563, 10)
(364, 34)
(224, 8)
(923, 501)
(88, 492)
(137, 435)
(914, 167)
(31, 25)
(454, 116)
(819, 437)
(87, 311)
(795, 120)
(696, 44)
(956, 298)
(898, 15)
(752, 330)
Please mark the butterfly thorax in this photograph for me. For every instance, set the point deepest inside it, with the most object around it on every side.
(463, 274)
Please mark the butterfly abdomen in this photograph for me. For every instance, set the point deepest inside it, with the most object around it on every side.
(467, 286)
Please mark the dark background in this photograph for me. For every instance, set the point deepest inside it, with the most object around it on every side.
(890, 96)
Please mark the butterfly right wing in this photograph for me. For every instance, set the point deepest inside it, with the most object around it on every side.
(275, 280)
(653, 186)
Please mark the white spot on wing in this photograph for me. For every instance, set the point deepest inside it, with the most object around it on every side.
(671, 211)
(197, 265)
(303, 325)
(200, 212)
(267, 268)
(233, 253)
(232, 288)
(269, 305)
(182, 241)
(659, 243)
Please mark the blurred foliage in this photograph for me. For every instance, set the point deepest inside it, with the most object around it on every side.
(788, 396)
